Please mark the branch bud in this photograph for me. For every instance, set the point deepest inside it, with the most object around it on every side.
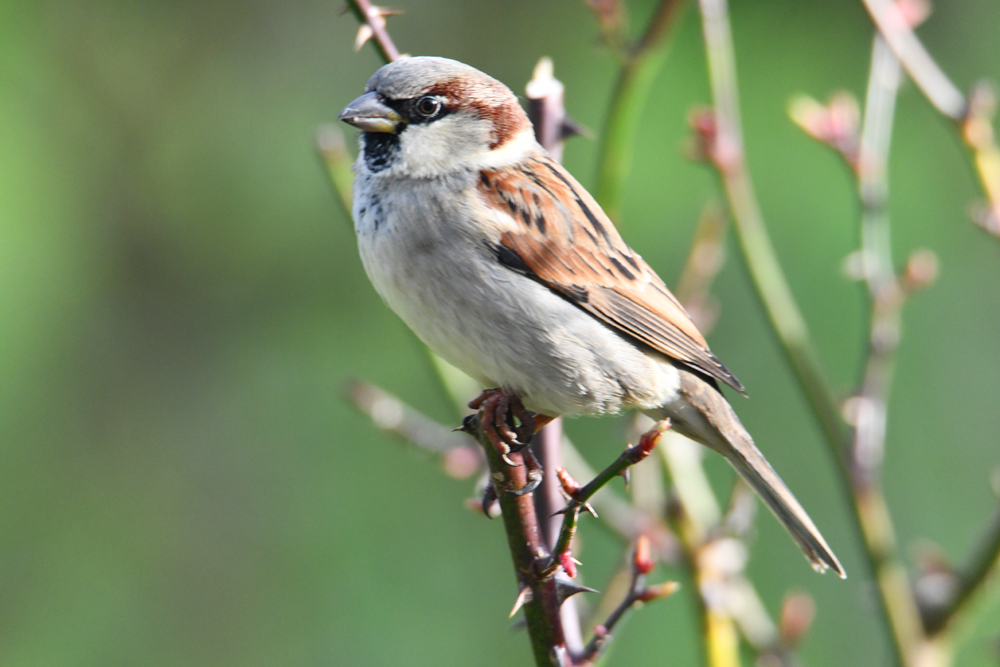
(921, 271)
(797, 613)
(569, 485)
(835, 124)
(657, 591)
(642, 557)
(568, 564)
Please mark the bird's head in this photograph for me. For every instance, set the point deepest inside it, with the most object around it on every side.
(426, 117)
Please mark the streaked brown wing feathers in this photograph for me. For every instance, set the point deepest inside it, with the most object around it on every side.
(574, 249)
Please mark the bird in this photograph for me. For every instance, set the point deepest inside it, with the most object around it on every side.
(505, 266)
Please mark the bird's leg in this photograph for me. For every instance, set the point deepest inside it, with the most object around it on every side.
(495, 404)
(499, 412)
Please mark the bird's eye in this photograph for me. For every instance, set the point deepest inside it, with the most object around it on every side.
(428, 106)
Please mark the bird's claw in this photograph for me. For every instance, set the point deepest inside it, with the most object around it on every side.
(489, 498)
(534, 475)
(499, 410)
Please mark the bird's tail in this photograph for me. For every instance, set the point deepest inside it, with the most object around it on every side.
(703, 414)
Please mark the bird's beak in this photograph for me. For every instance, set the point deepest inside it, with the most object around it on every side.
(370, 115)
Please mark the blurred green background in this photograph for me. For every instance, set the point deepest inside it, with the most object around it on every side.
(181, 305)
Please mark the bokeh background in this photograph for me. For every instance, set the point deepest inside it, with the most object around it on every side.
(181, 306)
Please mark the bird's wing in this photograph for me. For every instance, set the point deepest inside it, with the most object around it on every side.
(553, 231)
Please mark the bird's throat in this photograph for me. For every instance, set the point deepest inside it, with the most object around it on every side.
(380, 150)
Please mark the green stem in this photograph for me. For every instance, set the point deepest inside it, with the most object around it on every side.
(726, 153)
(635, 79)
(337, 160)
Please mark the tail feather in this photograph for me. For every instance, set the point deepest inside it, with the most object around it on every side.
(704, 415)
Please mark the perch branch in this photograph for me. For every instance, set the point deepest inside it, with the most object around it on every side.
(538, 588)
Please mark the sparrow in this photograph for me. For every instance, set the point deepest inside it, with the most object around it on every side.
(505, 266)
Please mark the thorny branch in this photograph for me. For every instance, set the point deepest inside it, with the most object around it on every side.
(372, 20)
(539, 588)
(642, 564)
(579, 497)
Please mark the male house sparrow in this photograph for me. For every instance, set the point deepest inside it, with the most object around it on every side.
(506, 266)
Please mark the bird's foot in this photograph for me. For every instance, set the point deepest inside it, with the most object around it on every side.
(499, 411)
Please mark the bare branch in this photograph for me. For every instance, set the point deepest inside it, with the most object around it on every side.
(333, 151)
(722, 143)
(392, 415)
(935, 85)
(971, 579)
(637, 592)
(372, 19)
(869, 408)
(973, 114)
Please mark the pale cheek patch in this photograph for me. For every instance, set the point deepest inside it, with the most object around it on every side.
(440, 147)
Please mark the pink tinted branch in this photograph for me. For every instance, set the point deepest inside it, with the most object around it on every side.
(886, 294)
(548, 116)
(936, 86)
